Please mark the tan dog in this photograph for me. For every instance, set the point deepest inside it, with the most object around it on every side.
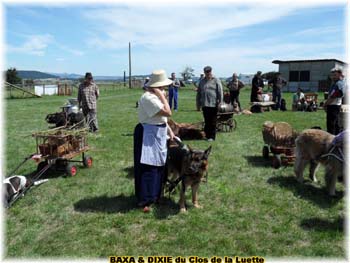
(311, 145)
(188, 167)
(186, 131)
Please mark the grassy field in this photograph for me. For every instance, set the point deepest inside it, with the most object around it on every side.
(249, 207)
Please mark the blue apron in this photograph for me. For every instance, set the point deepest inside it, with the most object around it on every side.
(154, 148)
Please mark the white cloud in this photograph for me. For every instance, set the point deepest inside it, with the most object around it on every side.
(70, 50)
(34, 45)
(173, 26)
(236, 58)
(38, 45)
(180, 26)
(316, 31)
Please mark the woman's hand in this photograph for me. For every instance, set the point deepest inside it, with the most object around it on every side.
(158, 92)
(170, 133)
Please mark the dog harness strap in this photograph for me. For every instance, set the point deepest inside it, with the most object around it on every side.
(332, 154)
(175, 183)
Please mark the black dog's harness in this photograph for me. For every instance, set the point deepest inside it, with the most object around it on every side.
(336, 150)
(332, 153)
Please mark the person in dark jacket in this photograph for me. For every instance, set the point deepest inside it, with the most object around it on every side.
(277, 84)
(234, 86)
(209, 97)
(257, 86)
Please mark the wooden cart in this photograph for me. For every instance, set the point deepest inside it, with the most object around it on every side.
(57, 149)
(225, 122)
(279, 139)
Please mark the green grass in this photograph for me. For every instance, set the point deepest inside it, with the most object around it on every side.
(249, 207)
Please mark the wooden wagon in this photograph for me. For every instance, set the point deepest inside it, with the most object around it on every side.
(225, 121)
(57, 148)
(279, 139)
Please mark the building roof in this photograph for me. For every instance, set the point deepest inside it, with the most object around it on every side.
(307, 60)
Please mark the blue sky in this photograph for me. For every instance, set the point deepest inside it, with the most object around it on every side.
(238, 37)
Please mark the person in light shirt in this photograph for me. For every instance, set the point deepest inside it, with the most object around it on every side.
(299, 102)
(150, 140)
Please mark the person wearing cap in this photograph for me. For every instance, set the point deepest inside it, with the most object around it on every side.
(150, 136)
(173, 91)
(209, 97)
(277, 84)
(234, 86)
(257, 87)
(88, 94)
(334, 101)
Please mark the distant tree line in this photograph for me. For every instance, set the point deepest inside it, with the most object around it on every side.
(12, 76)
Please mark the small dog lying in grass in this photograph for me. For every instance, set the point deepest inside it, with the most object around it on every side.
(311, 147)
(189, 167)
(14, 186)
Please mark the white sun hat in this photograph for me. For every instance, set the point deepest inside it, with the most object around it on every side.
(159, 79)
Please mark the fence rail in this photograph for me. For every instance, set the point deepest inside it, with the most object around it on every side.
(24, 90)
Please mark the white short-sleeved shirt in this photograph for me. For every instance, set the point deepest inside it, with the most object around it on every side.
(149, 106)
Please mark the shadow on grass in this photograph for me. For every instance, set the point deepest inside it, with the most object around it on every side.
(123, 204)
(258, 161)
(307, 191)
(127, 134)
(319, 224)
(130, 172)
(116, 204)
(49, 174)
(166, 209)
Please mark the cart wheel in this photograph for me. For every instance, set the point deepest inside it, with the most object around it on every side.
(276, 161)
(233, 124)
(265, 152)
(87, 161)
(71, 169)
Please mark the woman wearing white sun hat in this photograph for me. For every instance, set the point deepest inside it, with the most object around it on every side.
(150, 149)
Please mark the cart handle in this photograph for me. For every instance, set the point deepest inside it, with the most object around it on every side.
(24, 161)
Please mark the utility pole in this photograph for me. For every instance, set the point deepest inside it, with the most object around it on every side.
(129, 65)
(124, 80)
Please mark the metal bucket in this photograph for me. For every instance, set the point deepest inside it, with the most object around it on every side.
(73, 101)
(70, 108)
(224, 107)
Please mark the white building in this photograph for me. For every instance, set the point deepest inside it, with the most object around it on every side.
(309, 75)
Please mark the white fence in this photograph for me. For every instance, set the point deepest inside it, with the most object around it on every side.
(46, 89)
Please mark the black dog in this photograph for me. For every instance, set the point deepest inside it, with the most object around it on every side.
(62, 119)
(58, 118)
(283, 105)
